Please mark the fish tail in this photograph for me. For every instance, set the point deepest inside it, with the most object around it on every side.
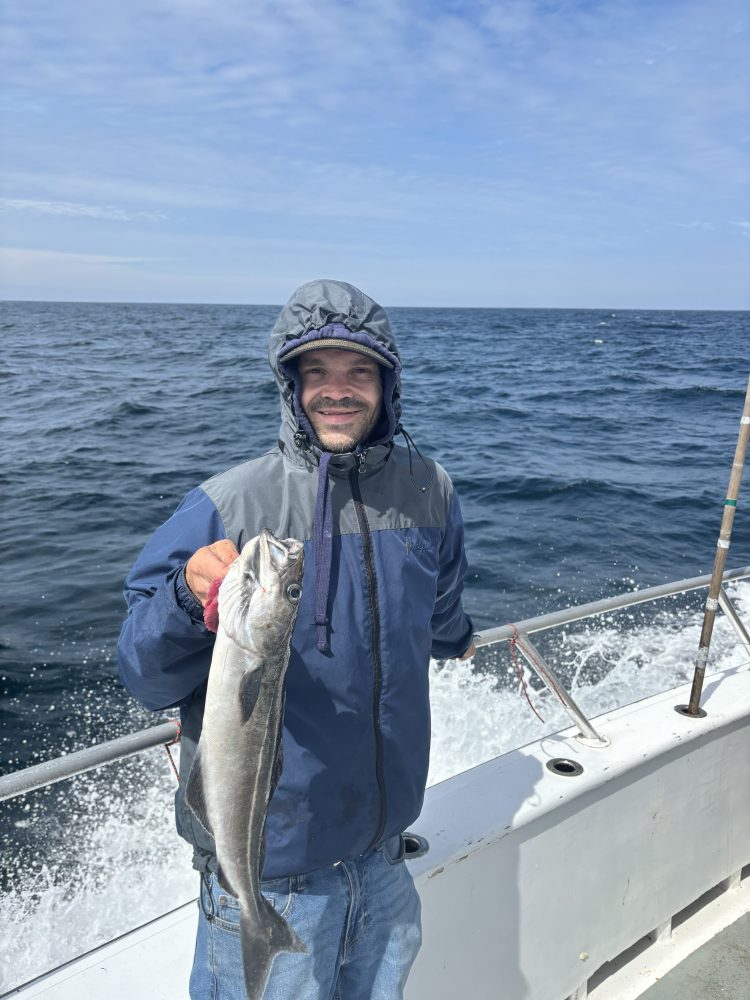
(261, 943)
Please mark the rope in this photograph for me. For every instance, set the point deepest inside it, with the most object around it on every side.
(169, 752)
(515, 641)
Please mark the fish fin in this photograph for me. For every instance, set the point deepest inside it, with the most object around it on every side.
(262, 940)
(278, 764)
(195, 795)
(249, 690)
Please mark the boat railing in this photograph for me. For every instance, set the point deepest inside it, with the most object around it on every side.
(167, 732)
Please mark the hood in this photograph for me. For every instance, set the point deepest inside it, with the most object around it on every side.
(326, 308)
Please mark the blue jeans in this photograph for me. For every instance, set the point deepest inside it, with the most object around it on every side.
(360, 921)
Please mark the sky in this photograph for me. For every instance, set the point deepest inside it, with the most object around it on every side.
(520, 153)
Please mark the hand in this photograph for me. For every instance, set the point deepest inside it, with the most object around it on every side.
(469, 652)
(210, 563)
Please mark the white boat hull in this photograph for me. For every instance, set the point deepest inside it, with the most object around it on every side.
(535, 881)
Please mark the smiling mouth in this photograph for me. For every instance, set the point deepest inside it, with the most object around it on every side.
(338, 414)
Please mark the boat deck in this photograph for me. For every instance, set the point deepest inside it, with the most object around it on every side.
(718, 970)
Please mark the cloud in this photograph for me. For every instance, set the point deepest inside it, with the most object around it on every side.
(208, 190)
(75, 209)
(276, 58)
(52, 274)
(23, 257)
(442, 127)
(254, 76)
(696, 224)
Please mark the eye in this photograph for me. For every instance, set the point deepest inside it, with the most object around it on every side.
(294, 592)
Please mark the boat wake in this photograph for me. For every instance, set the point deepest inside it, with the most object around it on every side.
(479, 712)
(98, 855)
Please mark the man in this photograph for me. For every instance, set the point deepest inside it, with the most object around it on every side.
(384, 567)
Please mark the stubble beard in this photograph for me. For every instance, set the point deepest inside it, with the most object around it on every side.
(339, 442)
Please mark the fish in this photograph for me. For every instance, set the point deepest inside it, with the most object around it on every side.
(239, 757)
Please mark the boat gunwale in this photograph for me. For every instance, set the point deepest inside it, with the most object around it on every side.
(167, 731)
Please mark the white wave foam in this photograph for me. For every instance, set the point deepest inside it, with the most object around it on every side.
(127, 864)
(476, 717)
(123, 864)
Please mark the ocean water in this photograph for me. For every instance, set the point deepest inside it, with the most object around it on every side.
(591, 451)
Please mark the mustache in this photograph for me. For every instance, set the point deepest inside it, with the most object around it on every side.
(347, 403)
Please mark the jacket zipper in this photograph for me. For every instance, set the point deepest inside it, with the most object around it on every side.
(364, 530)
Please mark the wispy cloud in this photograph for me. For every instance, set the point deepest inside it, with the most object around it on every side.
(75, 209)
(441, 127)
(206, 189)
(696, 224)
(50, 274)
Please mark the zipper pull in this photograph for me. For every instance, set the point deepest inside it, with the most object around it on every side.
(361, 457)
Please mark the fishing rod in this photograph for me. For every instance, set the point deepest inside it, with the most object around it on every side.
(715, 592)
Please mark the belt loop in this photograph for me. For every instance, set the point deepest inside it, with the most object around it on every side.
(394, 849)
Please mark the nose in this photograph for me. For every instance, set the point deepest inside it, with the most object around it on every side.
(337, 386)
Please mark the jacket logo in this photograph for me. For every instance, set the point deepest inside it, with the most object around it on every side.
(416, 545)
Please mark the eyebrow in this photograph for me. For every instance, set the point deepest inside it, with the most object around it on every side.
(363, 363)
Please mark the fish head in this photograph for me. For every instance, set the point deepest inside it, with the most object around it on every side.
(259, 597)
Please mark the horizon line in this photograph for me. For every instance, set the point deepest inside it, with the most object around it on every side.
(273, 305)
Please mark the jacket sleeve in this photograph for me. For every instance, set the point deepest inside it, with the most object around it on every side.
(164, 649)
(452, 629)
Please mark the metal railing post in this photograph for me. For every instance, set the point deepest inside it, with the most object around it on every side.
(734, 619)
(542, 669)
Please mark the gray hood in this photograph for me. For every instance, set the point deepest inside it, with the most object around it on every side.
(333, 308)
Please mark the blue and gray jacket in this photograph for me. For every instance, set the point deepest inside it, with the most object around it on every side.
(384, 567)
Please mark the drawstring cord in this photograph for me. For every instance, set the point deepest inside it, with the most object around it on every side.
(410, 443)
(323, 529)
(322, 540)
(323, 535)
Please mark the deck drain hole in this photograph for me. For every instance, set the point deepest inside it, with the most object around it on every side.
(563, 766)
(414, 846)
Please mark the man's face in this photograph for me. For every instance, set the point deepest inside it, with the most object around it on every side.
(341, 395)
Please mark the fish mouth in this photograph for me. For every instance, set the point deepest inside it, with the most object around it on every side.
(275, 557)
(280, 547)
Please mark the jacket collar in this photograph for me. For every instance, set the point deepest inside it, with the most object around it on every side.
(297, 449)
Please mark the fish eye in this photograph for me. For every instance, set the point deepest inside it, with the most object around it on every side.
(294, 592)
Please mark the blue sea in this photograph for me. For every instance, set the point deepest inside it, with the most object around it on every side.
(591, 451)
